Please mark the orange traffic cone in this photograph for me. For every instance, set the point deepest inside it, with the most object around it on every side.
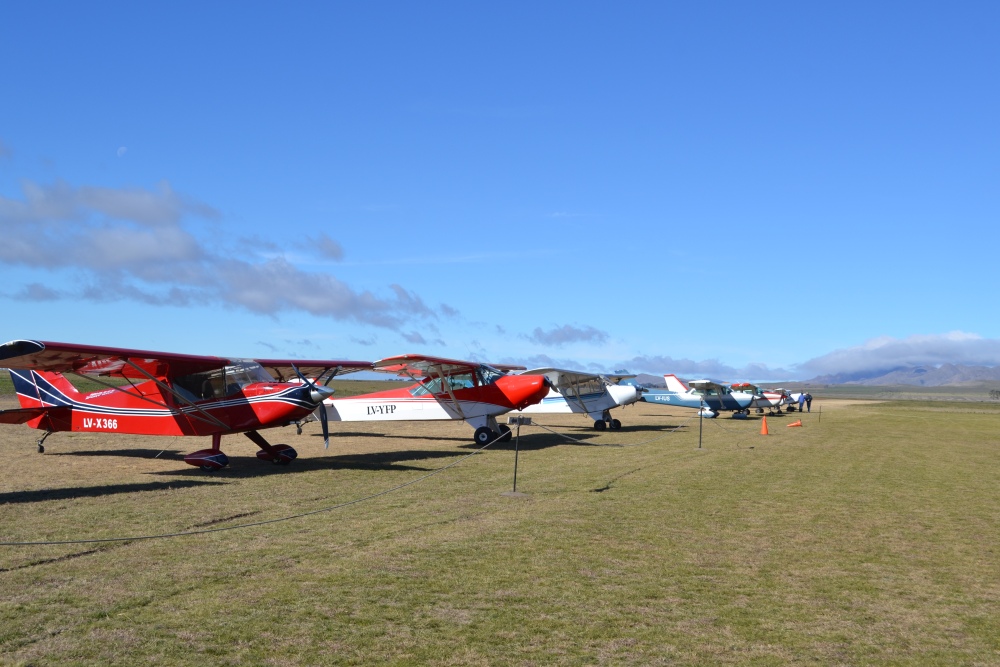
(798, 423)
(763, 426)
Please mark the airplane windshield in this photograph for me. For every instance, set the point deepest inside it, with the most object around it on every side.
(221, 382)
(488, 374)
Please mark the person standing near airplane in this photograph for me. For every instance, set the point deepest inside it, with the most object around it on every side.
(802, 402)
(809, 402)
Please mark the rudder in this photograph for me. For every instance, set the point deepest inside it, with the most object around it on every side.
(42, 388)
(674, 383)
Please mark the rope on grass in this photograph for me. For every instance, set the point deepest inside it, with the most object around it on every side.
(239, 526)
(598, 444)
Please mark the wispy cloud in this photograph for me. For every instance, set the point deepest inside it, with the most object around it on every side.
(326, 247)
(566, 334)
(708, 368)
(886, 353)
(132, 244)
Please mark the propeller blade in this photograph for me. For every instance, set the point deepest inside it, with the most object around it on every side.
(318, 394)
(325, 423)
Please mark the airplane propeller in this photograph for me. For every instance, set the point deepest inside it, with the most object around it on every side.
(317, 395)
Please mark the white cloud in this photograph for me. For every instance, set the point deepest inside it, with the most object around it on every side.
(707, 368)
(132, 245)
(886, 353)
(567, 333)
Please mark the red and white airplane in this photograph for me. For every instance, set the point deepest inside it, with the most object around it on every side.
(445, 389)
(160, 393)
(770, 399)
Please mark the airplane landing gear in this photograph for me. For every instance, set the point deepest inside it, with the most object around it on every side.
(41, 447)
(607, 422)
(483, 435)
(276, 454)
(209, 460)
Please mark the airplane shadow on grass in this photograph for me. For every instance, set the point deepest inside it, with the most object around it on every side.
(240, 467)
(70, 493)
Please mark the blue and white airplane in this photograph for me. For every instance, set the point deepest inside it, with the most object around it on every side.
(706, 395)
(586, 393)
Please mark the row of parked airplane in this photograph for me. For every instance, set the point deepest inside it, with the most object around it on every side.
(162, 393)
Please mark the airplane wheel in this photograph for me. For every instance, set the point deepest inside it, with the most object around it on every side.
(760, 411)
(41, 449)
(599, 425)
(483, 435)
(505, 434)
(208, 468)
(615, 424)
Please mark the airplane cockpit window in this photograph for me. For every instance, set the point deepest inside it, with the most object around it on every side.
(219, 383)
(460, 381)
(488, 374)
(584, 388)
(428, 386)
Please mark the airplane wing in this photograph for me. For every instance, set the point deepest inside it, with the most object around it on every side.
(703, 385)
(419, 365)
(618, 377)
(283, 370)
(109, 361)
(563, 379)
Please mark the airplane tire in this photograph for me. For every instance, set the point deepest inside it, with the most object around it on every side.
(615, 424)
(599, 425)
(483, 435)
(505, 433)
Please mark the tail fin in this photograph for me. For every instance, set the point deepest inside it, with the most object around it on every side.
(674, 383)
(42, 389)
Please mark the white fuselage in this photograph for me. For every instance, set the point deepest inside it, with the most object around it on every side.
(592, 404)
(406, 409)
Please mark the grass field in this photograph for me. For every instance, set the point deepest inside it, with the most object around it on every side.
(869, 536)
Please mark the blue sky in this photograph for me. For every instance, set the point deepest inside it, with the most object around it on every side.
(746, 190)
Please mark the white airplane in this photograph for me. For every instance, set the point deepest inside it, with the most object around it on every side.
(585, 393)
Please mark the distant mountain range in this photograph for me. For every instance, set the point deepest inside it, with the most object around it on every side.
(923, 376)
(920, 376)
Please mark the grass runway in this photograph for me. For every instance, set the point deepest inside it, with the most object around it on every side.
(869, 536)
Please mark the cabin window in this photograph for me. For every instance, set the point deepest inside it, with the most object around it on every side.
(221, 382)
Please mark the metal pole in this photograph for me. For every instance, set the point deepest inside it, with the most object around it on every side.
(701, 416)
(517, 440)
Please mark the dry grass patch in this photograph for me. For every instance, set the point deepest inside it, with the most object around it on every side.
(866, 537)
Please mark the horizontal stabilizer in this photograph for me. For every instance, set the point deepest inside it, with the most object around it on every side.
(22, 415)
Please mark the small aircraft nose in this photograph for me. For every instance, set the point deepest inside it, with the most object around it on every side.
(319, 393)
(533, 390)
